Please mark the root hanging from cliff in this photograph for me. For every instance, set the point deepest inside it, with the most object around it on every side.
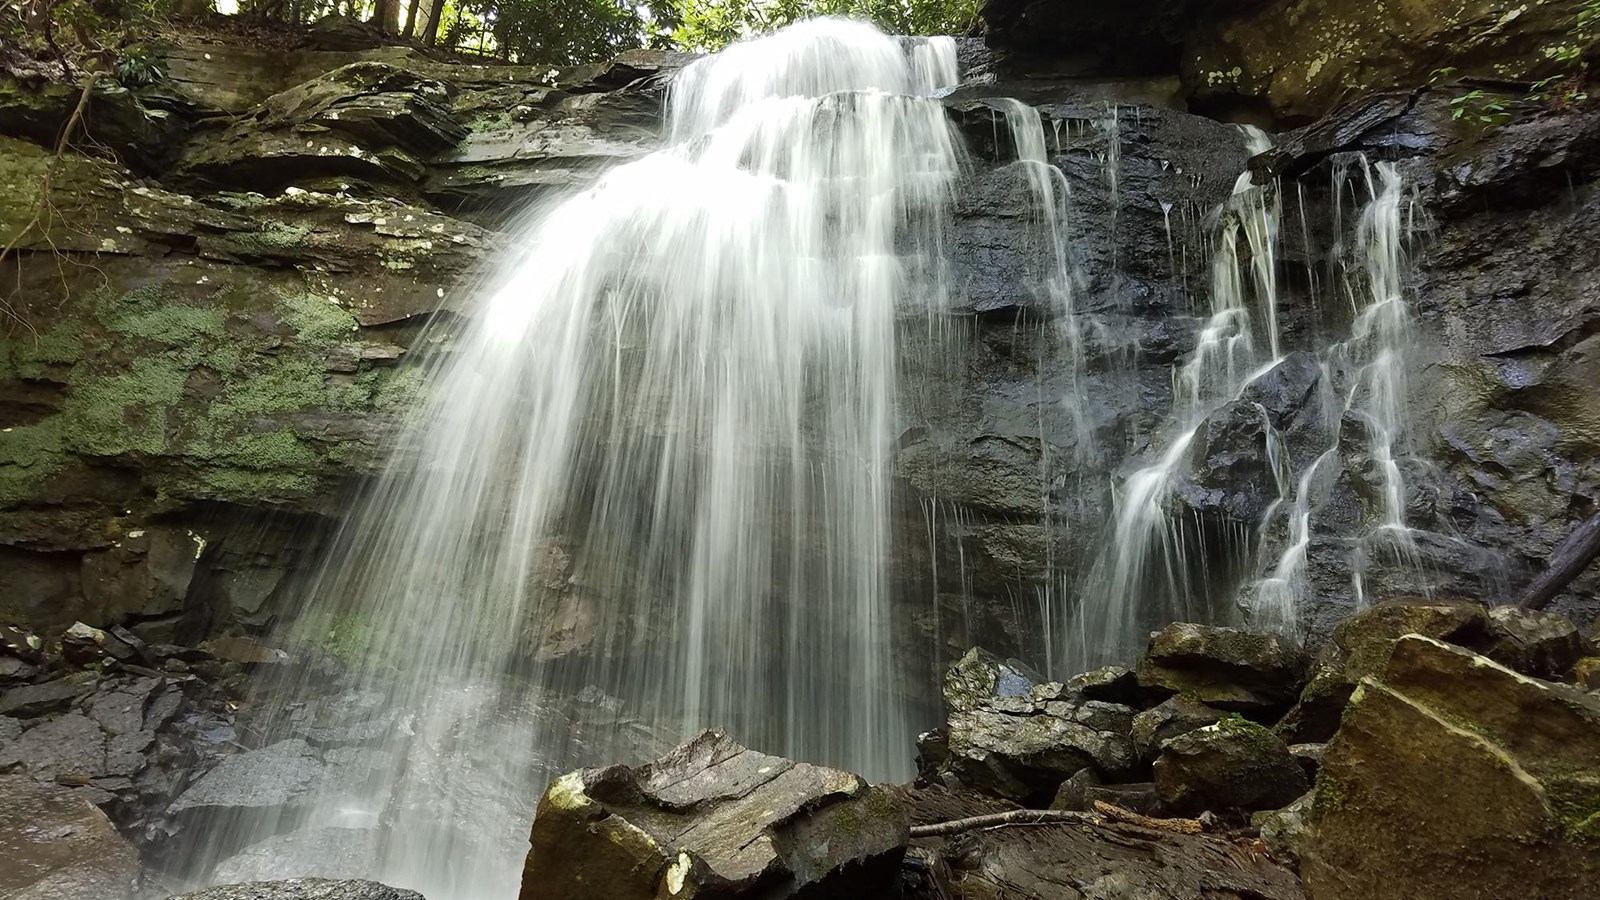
(44, 210)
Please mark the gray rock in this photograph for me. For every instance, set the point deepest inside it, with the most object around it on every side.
(1174, 716)
(713, 818)
(1227, 668)
(277, 775)
(1235, 764)
(38, 699)
(1113, 684)
(1310, 757)
(303, 889)
(1534, 642)
(69, 746)
(1284, 830)
(1011, 735)
(331, 852)
(57, 846)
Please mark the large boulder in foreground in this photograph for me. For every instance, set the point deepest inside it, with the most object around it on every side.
(57, 846)
(1454, 776)
(712, 819)
(303, 889)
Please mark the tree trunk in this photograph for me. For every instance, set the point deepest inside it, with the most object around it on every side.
(1566, 563)
(409, 30)
(435, 12)
(386, 15)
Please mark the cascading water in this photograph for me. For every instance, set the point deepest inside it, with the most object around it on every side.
(654, 472)
(1146, 573)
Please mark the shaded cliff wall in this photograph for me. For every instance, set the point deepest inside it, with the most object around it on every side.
(219, 315)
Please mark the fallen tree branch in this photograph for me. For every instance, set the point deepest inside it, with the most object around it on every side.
(1566, 563)
(1179, 826)
(1013, 817)
(1102, 812)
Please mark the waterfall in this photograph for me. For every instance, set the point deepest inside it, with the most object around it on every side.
(651, 491)
(1148, 571)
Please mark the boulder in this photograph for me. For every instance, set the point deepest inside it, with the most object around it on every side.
(1586, 673)
(1453, 776)
(302, 889)
(1360, 647)
(1083, 790)
(1113, 684)
(714, 819)
(1227, 668)
(58, 846)
(1234, 764)
(1310, 757)
(1534, 642)
(276, 776)
(38, 699)
(1172, 717)
(1283, 830)
(1012, 736)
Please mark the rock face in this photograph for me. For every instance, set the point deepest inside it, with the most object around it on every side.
(713, 819)
(1298, 59)
(1454, 776)
(303, 889)
(57, 846)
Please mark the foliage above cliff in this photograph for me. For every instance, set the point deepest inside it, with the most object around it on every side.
(555, 32)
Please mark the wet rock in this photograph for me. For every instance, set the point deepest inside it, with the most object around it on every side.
(1083, 790)
(1533, 642)
(1234, 764)
(1227, 474)
(1113, 684)
(1284, 830)
(303, 889)
(1310, 757)
(58, 846)
(714, 819)
(332, 852)
(1110, 860)
(1455, 776)
(1010, 735)
(69, 747)
(1360, 647)
(1172, 717)
(278, 775)
(38, 699)
(1586, 673)
(1227, 668)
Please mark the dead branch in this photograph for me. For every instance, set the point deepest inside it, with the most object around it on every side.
(1566, 563)
(1013, 817)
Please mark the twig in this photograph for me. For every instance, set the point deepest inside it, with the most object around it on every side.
(1013, 817)
(1179, 826)
(1102, 812)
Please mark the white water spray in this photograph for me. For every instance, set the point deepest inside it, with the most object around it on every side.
(654, 472)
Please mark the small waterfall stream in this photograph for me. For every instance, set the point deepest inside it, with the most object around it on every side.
(652, 492)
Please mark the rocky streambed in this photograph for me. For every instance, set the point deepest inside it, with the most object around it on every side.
(1427, 750)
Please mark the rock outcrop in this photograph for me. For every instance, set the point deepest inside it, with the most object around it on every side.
(1455, 776)
(713, 819)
